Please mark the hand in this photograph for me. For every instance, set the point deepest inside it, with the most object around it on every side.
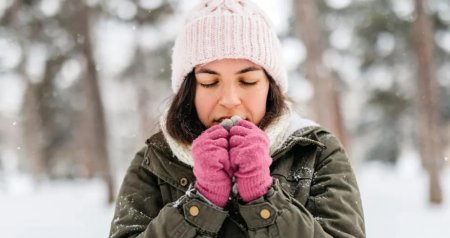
(250, 160)
(212, 165)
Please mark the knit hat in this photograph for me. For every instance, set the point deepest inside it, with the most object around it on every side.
(227, 29)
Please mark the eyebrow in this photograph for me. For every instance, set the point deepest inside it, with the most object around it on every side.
(242, 71)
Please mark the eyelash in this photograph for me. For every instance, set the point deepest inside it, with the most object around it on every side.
(248, 83)
(208, 85)
(242, 82)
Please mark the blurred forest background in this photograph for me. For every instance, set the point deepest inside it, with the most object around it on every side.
(83, 84)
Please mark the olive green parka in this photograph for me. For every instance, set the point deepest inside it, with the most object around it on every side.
(314, 194)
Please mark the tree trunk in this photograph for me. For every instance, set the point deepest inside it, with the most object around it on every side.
(326, 99)
(427, 101)
(37, 119)
(146, 123)
(144, 96)
(93, 126)
(32, 131)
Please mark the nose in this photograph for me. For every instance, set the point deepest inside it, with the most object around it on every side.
(229, 97)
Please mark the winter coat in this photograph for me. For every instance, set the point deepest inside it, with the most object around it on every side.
(314, 194)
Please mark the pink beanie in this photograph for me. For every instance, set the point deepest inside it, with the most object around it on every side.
(227, 29)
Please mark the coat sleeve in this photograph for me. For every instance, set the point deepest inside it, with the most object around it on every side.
(140, 211)
(333, 208)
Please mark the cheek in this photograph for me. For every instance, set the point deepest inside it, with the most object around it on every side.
(257, 105)
(203, 105)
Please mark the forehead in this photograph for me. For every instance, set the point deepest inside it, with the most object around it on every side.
(228, 64)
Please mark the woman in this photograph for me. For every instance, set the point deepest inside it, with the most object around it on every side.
(232, 159)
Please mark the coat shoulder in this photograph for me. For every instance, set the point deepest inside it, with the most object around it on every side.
(320, 135)
(158, 142)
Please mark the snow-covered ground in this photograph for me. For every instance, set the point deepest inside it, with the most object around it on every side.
(57, 209)
(394, 199)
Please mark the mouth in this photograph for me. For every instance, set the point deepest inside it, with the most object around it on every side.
(221, 119)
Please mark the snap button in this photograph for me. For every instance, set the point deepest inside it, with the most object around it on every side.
(264, 213)
(194, 211)
(183, 182)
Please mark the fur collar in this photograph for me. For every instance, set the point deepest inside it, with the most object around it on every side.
(278, 131)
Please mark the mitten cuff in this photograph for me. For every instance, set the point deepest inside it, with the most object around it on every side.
(254, 187)
(218, 195)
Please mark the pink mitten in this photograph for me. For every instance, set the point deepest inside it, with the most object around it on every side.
(212, 165)
(250, 160)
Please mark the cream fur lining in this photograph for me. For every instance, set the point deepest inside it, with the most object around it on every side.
(277, 132)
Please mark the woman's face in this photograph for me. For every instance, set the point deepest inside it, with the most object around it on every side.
(229, 87)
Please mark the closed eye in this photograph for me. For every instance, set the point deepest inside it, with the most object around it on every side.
(209, 85)
(246, 83)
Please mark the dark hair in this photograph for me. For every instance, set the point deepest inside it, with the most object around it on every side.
(183, 123)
